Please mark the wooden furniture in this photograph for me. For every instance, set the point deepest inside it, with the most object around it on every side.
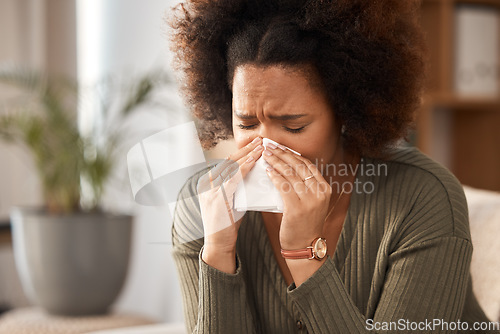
(36, 321)
(5, 234)
(473, 124)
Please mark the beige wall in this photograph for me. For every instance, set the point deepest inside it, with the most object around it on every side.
(61, 36)
(37, 34)
(22, 33)
(9, 31)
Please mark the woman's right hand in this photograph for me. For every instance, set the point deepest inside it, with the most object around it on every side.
(221, 222)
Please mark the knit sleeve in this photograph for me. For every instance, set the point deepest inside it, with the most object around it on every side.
(424, 269)
(214, 301)
(424, 282)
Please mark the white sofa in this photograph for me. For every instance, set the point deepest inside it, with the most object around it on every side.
(484, 213)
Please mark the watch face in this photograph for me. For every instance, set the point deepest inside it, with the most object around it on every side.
(320, 248)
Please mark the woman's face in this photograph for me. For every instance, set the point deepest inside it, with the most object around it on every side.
(283, 105)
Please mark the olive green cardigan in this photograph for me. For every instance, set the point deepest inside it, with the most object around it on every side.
(402, 260)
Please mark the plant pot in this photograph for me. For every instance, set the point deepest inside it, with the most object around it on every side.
(71, 264)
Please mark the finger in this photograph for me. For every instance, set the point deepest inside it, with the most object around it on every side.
(229, 166)
(245, 164)
(216, 175)
(284, 187)
(230, 174)
(321, 186)
(246, 149)
(214, 210)
(294, 160)
(231, 183)
(287, 171)
(305, 168)
(228, 201)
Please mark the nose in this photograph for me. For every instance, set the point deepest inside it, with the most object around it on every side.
(268, 132)
(273, 132)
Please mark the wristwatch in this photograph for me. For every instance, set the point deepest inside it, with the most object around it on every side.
(317, 251)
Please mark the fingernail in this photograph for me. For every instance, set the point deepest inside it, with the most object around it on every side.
(269, 168)
(271, 146)
(268, 153)
(282, 147)
(258, 148)
(250, 159)
(255, 140)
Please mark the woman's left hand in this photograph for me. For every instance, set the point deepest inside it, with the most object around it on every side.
(305, 202)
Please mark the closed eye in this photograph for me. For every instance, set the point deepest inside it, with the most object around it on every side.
(246, 127)
(249, 127)
(294, 130)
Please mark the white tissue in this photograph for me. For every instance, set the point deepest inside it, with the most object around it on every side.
(256, 192)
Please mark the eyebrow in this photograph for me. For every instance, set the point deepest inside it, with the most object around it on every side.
(285, 117)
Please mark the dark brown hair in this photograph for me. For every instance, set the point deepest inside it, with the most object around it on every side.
(369, 55)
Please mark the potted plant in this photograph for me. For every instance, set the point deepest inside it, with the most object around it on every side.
(71, 255)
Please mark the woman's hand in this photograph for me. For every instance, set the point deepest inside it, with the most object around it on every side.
(220, 221)
(305, 202)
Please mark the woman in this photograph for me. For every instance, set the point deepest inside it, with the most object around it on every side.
(338, 82)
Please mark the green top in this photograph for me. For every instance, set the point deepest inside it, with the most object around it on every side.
(403, 256)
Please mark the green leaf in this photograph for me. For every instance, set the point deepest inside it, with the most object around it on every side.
(43, 118)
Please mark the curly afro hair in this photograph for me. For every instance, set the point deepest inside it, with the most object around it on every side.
(370, 56)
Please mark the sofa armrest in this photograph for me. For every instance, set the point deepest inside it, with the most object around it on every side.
(484, 215)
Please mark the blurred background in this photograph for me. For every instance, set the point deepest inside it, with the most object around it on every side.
(458, 125)
(88, 40)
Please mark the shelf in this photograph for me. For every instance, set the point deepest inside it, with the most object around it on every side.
(5, 234)
(459, 129)
(472, 104)
(494, 3)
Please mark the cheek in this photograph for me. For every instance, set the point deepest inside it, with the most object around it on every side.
(318, 146)
(312, 152)
(241, 137)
